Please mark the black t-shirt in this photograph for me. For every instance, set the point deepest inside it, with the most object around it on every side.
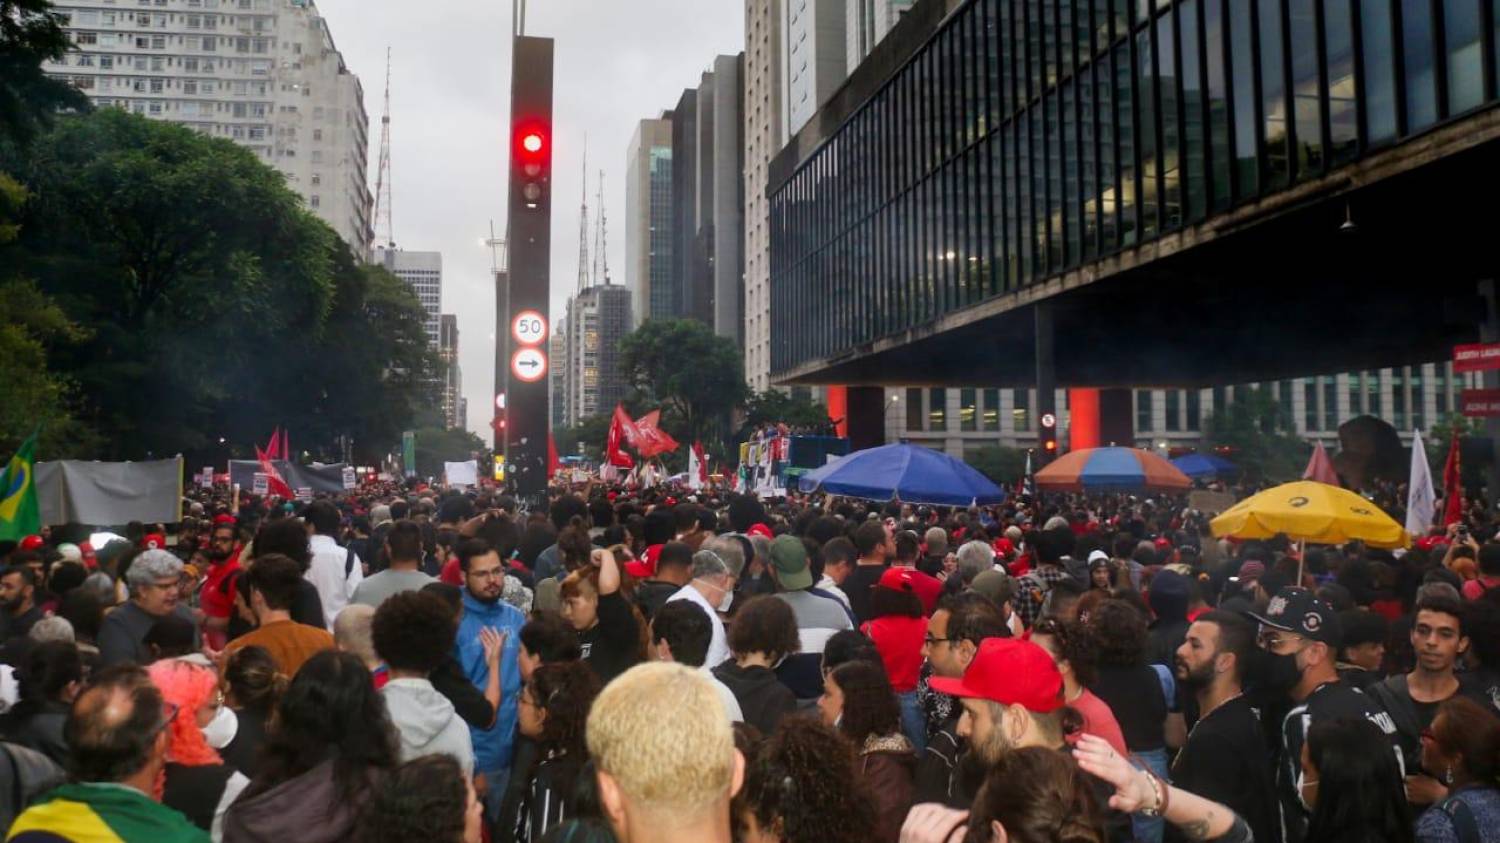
(1225, 760)
(612, 646)
(857, 588)
(1329, 701)
(1135, 696)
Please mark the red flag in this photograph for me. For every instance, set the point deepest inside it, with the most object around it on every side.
(1453, 490)
(621, 430)
(273, 448)
(275, 485)
(650, 439)
(1320, 467)
(553, 463)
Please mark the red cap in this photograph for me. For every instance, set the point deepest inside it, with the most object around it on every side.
(760, 530)
(32, 542)
(645, 567)
(897, 579)
(153, 541)
(1009, 671)
(223, 518)
(1163, 543)
(1004, 547)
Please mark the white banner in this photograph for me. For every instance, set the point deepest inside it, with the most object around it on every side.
(461, 473)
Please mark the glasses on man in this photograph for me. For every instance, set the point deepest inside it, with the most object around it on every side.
(930, 640)
(1274, 639)
(492, 574)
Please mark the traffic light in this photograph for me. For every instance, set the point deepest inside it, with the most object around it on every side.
(1049, 444)
(533, 160)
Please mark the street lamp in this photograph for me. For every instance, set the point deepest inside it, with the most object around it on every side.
(889, 403)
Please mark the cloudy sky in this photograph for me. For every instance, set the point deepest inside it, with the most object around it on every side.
(617, 61)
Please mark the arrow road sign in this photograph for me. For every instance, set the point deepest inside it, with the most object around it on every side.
(528, 365)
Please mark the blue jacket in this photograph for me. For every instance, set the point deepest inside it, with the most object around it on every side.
(492, 746)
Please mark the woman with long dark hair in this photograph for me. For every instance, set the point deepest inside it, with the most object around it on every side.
(330, 744)
(554, 709)
(858, 701)
(50, 677)
(1352, 785)
(801, 786)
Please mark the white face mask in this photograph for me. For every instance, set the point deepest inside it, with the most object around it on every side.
(1302, 785)
(724, 604)
(222, 729)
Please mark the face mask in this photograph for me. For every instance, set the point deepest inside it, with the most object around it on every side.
(724, 604)
(222, 729)
(1279, 674)
(1302, 784)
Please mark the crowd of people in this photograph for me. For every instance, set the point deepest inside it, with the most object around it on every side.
(650, 665)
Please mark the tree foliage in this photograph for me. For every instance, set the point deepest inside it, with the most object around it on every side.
(589, 432)
(436, 445)
(695, 375)
(1251, 428)
(31, 32)
(773, 406)
(1003, 465)
(215, 304)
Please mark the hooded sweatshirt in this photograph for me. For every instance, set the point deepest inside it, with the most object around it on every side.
(1168, 598)
(762, 697)
(427, 722)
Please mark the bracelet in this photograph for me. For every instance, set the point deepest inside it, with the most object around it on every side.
(1166, 794)
(1156, 809)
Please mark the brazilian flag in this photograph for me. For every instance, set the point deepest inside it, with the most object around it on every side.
(19, 514)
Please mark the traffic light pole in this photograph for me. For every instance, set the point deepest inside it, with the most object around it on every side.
(1046, 385)
(528, 245)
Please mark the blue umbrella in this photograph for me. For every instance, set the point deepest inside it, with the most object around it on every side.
(910, 473)
(1204, 465)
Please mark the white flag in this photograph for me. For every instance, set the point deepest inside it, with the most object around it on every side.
(1420, 500)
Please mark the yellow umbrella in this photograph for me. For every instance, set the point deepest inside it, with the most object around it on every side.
(1308, 511)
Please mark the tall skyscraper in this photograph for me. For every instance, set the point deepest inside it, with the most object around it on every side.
(423, 271)
(708, 184)
(867, 22)
(813, 54)
(648, 226)
(263, 73)
(557, 377)
(453, 384)
(764, 136)
(597, 319)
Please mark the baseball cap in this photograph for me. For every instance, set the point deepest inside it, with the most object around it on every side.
(789, 559)
(896, 579)
(1098, 556)
(1252, 570)
(989, 583)
(1297, 610)
(760, 530)
(153, 541)
(32, 542)
(1008, 671)
(644, 568)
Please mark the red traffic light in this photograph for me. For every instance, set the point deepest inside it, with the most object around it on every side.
(532, 142)
(1050, 444)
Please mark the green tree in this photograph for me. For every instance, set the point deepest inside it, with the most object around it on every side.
(31, 394)
(695, 375)
(1250, 427)
(31, 32)
(436, 446)
(590, 433)
(773, 405)
(1003, 465)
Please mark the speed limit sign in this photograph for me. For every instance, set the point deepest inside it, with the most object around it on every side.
(529, 327)
(1049, 420)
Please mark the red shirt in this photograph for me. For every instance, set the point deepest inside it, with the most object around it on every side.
(899, 640)
(1099, 720)
(452, 573)
(215, 597)
(928, 589)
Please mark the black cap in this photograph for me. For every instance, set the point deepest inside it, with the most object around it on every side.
(1298, 610)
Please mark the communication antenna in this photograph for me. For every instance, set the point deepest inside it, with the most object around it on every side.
(381, 221)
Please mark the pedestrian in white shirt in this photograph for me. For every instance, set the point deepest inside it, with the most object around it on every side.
(681, 632)
(712, 588)
(335, 571)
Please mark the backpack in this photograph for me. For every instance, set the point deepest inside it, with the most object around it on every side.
(1464, 824)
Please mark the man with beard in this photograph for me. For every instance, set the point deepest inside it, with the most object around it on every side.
(1012, 694)
(1225, 757)
(484, 583)
(216, 596)
(1300, 635)
(18, 601)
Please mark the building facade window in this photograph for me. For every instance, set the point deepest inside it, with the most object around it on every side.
(913, 408)
(1145, 408)
(937, 408)
(968, 410)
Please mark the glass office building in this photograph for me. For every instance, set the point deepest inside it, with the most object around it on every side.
(1026, 138)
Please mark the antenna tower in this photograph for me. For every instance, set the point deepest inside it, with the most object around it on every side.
(583, 223)
(601, 240)
(381, 219)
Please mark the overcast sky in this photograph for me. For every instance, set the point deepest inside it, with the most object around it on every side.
(617, 61)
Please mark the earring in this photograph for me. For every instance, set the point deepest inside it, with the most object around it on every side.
(1448, 776)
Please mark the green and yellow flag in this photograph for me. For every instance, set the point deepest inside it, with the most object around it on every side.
(19, 514)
